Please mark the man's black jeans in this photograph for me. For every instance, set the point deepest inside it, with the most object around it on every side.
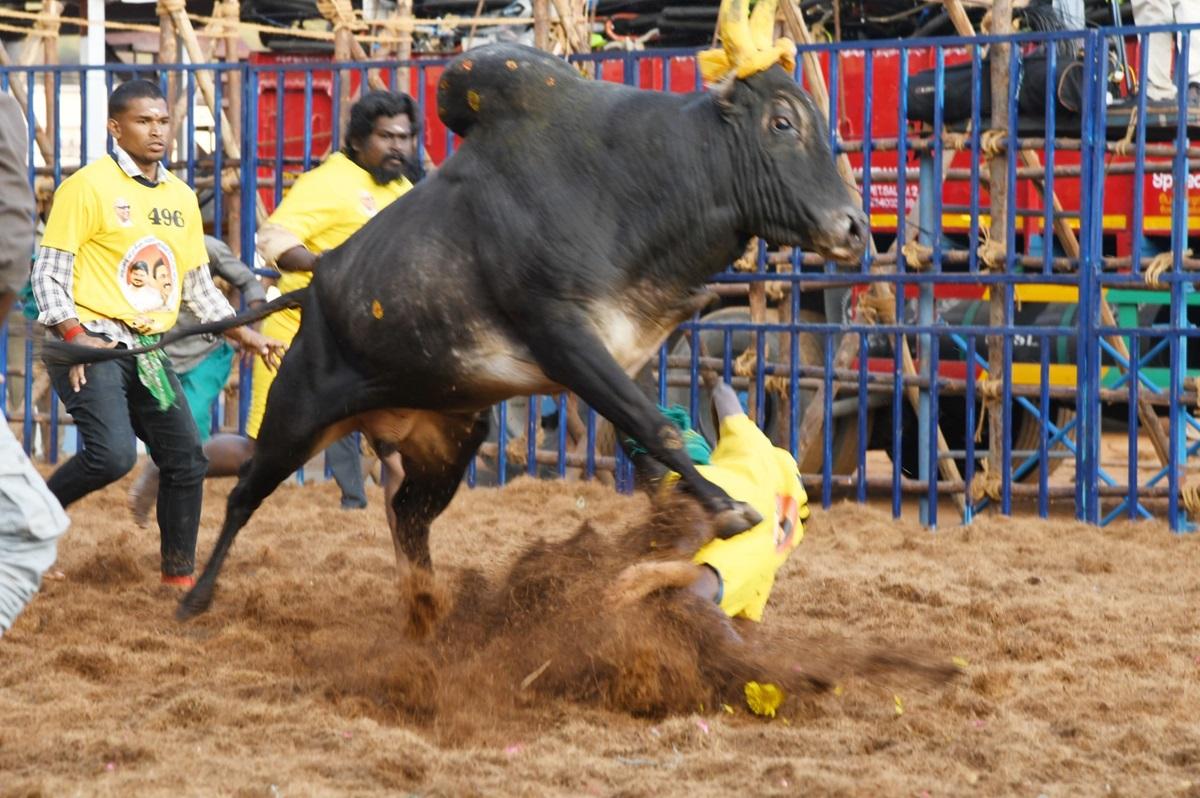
(109, 410)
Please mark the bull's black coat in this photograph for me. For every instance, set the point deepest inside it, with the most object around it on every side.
(563, 240)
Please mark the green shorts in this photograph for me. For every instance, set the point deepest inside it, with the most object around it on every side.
(203, 384)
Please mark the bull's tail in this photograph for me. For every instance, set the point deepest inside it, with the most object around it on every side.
(60, 353)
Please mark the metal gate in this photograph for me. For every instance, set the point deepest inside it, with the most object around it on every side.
(1069, 328)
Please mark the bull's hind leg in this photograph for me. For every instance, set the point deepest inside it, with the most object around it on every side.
(296, 423)
(435, 457)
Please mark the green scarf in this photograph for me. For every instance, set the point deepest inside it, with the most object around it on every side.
(152, 372)
(693, 441)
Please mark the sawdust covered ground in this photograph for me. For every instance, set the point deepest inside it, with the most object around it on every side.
(1080, 651)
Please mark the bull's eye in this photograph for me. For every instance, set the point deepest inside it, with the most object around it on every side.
(781, 124)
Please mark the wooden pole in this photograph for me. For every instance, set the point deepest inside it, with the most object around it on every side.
(168, 53)
(541, 24)
(230, 10)
(404, 10)
(998, 192)
(183, 27)
(50, 27)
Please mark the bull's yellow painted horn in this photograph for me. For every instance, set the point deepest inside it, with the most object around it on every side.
(746, 43)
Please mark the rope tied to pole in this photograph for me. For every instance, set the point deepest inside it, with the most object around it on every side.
(917, 255)
(748, 262)
(1125, 145)
(993, 142)
(746, 365)
(992, 252)
(876, 309)
(1190, 496)
(1159, 265)
(990, 391)
(341, 14)
(227, 15)
(168, 7)
(987, 483)
(776, 290)
(957, 141)
(230, 180)
(48, 24)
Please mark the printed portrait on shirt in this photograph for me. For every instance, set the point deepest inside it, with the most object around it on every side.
(124, 211)
(148, 277)
(368, 203)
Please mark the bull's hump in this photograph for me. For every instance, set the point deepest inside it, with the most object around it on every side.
(502, 81)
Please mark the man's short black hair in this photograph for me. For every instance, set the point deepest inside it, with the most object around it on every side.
(129, 91)
(373, 105)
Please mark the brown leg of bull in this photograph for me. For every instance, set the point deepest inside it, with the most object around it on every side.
(584, 366)
(432, 477)
(392, 474)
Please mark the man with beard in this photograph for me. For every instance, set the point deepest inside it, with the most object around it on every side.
(325, 207)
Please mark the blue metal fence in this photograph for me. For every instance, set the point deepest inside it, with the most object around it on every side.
(878, 377)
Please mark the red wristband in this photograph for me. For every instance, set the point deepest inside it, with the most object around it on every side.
(74, 331)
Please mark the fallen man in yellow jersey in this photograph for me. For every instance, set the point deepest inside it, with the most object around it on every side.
(736, 573)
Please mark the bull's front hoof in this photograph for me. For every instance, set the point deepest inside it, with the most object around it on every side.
(195, 602)
(428, 602)
(736, 519)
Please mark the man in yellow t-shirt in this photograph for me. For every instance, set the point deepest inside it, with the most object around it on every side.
(736, 573)
(123, 247)
(321, 210)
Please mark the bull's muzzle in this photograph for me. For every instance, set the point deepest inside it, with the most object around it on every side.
(844, 237)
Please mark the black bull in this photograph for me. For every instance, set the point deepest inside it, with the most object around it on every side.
(557, 248)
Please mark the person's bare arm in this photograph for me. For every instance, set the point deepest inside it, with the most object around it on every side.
(725, 401)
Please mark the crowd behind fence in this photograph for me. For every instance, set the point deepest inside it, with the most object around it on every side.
(1071, 328)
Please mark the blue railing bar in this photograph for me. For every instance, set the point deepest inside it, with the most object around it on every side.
(502, 445)
(280, 81)
(861, 421)
(218, 162)
(308, 115)
(1133, 420)
(562, 435)
(969, 459)
(249, 194)
(190, 136)
(976, 124)
(57, 143)
(1139, 167)
(1134, 512)
(1048, 236)
(27, 421)
(533, 422)
(939, 100)
(901, 174)
(940, 328)
(952, 278)
(1043, 454)
(1125, 364)
(827, 428)
(590, 471)
(1010, 166)
(868, 146)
